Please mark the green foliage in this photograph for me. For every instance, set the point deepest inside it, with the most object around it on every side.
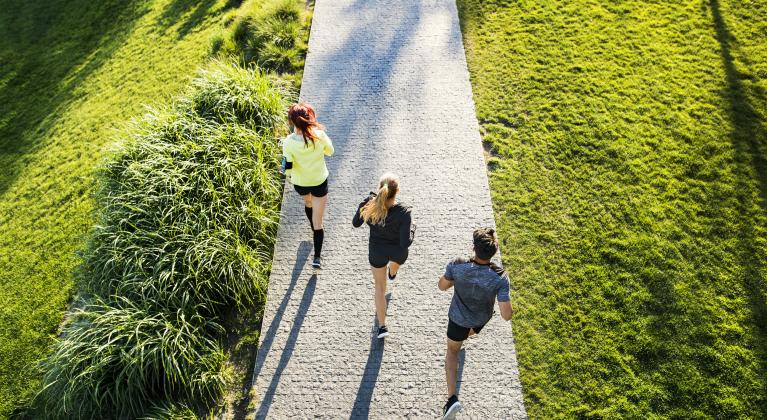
(272, 34)
(188, 212)
(229, 94)
(169, 411)
(71, 73)
(114, 357)
(629, 186)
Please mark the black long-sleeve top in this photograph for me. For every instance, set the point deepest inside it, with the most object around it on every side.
(395, 229)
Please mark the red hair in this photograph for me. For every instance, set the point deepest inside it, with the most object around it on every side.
(302, 116)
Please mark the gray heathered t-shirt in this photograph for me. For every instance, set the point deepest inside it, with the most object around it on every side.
(476, 288)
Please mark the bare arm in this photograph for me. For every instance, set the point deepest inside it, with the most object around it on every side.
(504, 298)
(506, 310)
(444, 283)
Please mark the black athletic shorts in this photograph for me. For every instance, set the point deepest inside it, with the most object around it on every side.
(456, 332)
(316, 191)
(380, 255)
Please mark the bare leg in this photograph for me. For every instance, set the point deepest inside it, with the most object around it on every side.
(393, 268)
(318, 211)
(379, 275)
(307, 200)
(451, 365)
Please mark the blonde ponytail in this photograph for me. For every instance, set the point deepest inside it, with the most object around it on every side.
(375, 211)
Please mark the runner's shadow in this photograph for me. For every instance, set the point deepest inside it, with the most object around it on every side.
(301, 256)
(290, 345)
(361, 409)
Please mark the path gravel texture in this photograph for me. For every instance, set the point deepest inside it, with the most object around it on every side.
(389, 80)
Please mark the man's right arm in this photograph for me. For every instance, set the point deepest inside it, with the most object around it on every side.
(504, 300)
(506, 310)
(446, 281)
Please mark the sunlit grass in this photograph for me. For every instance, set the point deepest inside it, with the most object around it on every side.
(629, 184)
(72, 73)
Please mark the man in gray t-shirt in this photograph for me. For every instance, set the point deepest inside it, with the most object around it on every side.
(477, 284)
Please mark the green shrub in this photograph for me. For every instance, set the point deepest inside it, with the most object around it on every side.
(272, 35)
(115, 357)
(279, 58)
(188, 214)
(227, 93)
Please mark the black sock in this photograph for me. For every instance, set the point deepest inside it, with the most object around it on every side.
(319, 236)
(308, 211)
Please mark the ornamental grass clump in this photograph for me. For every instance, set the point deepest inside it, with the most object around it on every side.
(272, 36)
(116, 356)
(188, 212)
(230, 94)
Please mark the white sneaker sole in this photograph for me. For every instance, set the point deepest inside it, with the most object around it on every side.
(386, 334)
(454, 409)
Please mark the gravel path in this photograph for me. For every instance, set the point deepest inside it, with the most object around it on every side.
(389, 80)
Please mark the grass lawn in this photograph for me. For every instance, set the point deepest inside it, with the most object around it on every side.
(629, 183)
(71, 73)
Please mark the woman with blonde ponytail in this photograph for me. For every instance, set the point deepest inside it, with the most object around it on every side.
(391, 234)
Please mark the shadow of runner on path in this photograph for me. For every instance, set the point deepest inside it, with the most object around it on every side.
(361, 409)
(290, 344)
(301, 256)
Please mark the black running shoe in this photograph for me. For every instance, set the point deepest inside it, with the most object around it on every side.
(452, 407)
(382, 332)
(317, 263)
(388, 273)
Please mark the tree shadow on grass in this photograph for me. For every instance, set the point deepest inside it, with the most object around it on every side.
(748, 138)
(191, 13)
(50, 49)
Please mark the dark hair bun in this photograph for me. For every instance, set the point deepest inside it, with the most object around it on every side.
(485, 244)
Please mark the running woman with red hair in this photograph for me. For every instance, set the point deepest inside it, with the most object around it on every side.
(304, 151)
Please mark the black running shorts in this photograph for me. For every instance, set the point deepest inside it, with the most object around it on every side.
(456, 332)
(380, 255)
(316, 191)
